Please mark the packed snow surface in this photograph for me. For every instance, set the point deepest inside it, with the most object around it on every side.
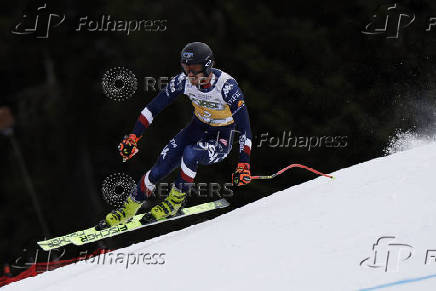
(373, 227)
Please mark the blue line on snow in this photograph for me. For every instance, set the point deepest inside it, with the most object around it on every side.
(400, 282)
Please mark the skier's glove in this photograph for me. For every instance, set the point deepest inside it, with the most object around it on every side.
(128, 147)
(242, 175)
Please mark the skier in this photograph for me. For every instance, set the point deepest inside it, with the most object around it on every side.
(219, 110)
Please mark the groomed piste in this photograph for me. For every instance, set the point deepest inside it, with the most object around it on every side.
(320, 235)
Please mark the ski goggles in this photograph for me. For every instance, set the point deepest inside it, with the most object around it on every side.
(187, 70)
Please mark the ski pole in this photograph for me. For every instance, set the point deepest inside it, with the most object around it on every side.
(289, 167)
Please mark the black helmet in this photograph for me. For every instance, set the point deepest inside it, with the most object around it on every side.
(198, 53)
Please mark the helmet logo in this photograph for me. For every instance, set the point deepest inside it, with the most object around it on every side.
(188, 55)
(209, 62)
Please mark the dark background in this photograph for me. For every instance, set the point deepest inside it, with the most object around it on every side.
(304, 66)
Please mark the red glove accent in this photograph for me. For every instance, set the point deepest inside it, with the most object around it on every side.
(242, 175)
(128, 147)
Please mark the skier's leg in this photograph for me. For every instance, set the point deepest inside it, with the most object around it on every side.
(167, 161)
(203, 152)
(143, 192)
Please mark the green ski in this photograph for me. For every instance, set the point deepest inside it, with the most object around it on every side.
(91, 234)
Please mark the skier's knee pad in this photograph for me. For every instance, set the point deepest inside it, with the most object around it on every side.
(192, 154)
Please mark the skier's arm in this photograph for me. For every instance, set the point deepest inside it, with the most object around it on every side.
(235, 99)
(243, 125)
(242, 174)
(128, 147)
(165, 97)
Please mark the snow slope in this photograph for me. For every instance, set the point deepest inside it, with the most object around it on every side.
(312, 236)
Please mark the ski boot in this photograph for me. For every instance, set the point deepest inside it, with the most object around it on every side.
(167, 208)
(120, 215)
